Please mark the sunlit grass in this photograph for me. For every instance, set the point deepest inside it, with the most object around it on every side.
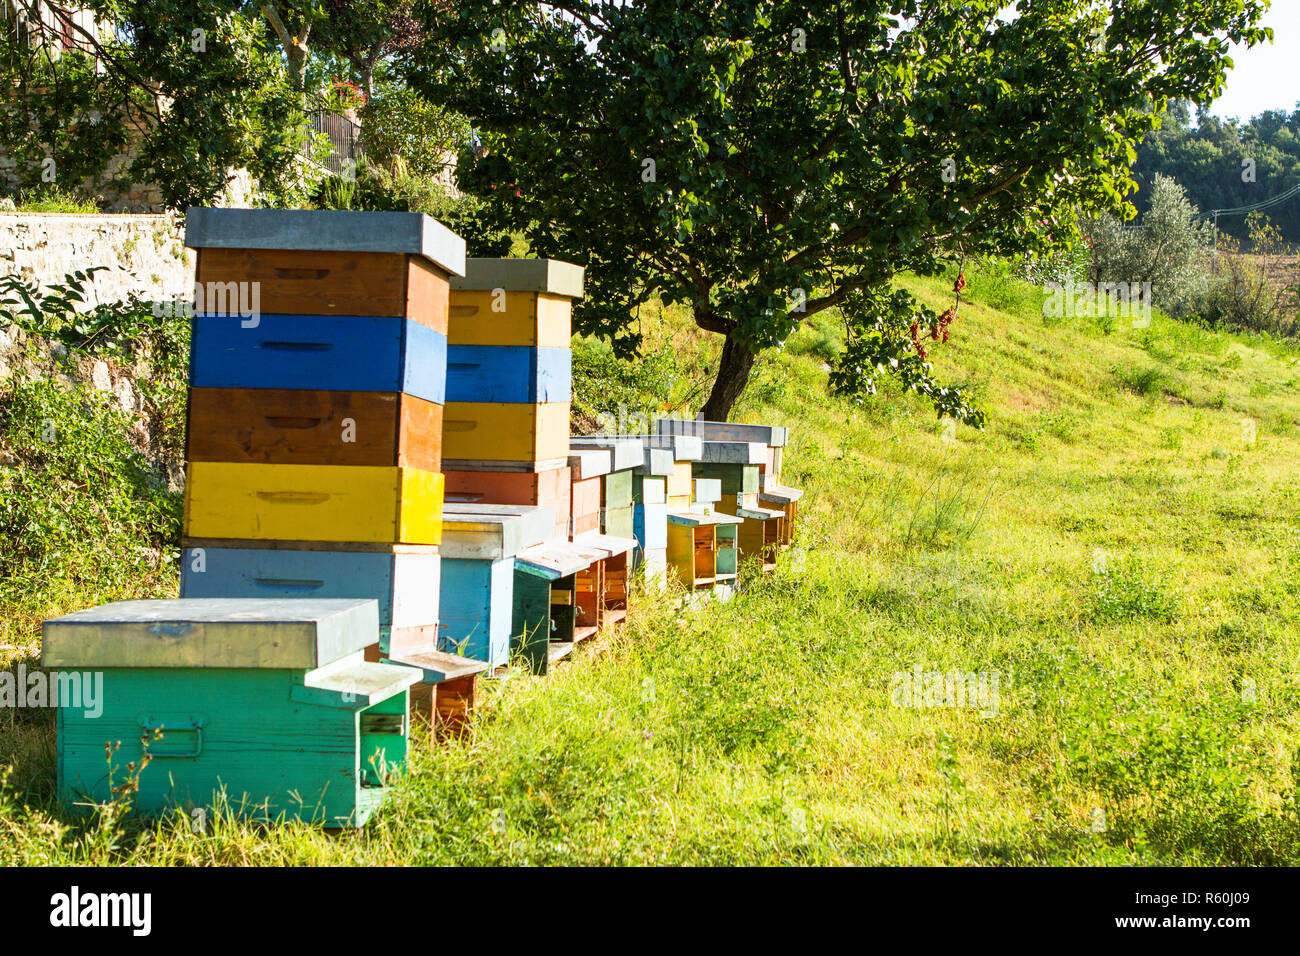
(1125, 559)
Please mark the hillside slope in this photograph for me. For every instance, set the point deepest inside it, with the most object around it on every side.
(1115, 561)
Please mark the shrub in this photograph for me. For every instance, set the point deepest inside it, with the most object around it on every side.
(81, 511)
(402, 190)
(399, 125)
(1166, 248)
(1242, 295)
(1147, 382)
(602, 382)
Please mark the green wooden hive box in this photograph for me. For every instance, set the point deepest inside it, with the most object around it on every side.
(261, 706)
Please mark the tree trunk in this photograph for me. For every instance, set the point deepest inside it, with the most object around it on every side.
(733, 375)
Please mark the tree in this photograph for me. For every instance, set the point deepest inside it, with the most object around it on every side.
(399, 124)
(762, 161)
(1167, 247)
(1225, 164)
(196, 87)
(365, 33)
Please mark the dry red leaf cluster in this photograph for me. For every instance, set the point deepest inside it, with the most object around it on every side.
(939, 331)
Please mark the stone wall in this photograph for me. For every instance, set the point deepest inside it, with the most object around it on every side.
(144, 254)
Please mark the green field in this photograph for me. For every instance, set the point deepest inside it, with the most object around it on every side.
(1119, 550)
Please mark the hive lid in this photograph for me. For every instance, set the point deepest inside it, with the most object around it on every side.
(589, 462)
(362, 683)
(624, 453)
(608, 543)
(774, 435)
(438, 666)
(761, 514)
(554, 559)
(326, 230)
(780, 494)
(695, 517)
(479, 532)
(211, 633)
(551, 276)
(734, 452)
(681, 447)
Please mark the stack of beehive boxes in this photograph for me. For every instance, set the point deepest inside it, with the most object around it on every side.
(315, 425)
(480, 544)
(509, 389)
(698, 541)
(743, 458)
(650, 516)
(617, 521)
(509, 384)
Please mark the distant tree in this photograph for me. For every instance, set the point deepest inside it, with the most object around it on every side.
(198, 87)
(400, 124)
(1167, 247)
(762, 161)
(1226, 164)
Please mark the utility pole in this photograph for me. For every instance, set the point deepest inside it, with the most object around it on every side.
(1214, 256)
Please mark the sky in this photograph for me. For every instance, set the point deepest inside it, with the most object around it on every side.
(1266, 77)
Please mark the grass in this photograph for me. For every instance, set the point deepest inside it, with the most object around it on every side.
(1120, 549)
(53, 199)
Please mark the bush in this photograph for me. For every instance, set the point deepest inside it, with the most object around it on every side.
(399, 125)
(1167, 249)
(602, 382)
(1242, 295)
(1147, 382)
(81, 511)
(402, 190)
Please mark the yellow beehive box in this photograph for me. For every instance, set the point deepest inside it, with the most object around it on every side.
(474, 432)
(510, 318)
(678, 486)
(353, 503)
(514, 302)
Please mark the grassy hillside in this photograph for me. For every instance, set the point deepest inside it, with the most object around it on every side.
(1120, 550)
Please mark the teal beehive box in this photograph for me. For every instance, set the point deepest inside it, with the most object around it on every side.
(262, 706)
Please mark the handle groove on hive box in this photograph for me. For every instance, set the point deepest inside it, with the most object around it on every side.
(298, 346)
(288, 583)
(295, 497)
(150, 727)
(300, 273)
(288, 421)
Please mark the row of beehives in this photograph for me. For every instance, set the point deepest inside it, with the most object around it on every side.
(327, 587)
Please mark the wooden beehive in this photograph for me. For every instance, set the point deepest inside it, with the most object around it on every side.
(401, 578)
(264, 707)
(545, 605)
(693, 546)
(480, 543)
(314, 427)
(602, 590)
(509, 372)
(313, 503)
(588, 467)
(787, 501)
(551, 488)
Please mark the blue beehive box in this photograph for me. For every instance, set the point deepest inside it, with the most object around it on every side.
(402, 578)
(509, 374)
(479, 544)
(264, 707)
